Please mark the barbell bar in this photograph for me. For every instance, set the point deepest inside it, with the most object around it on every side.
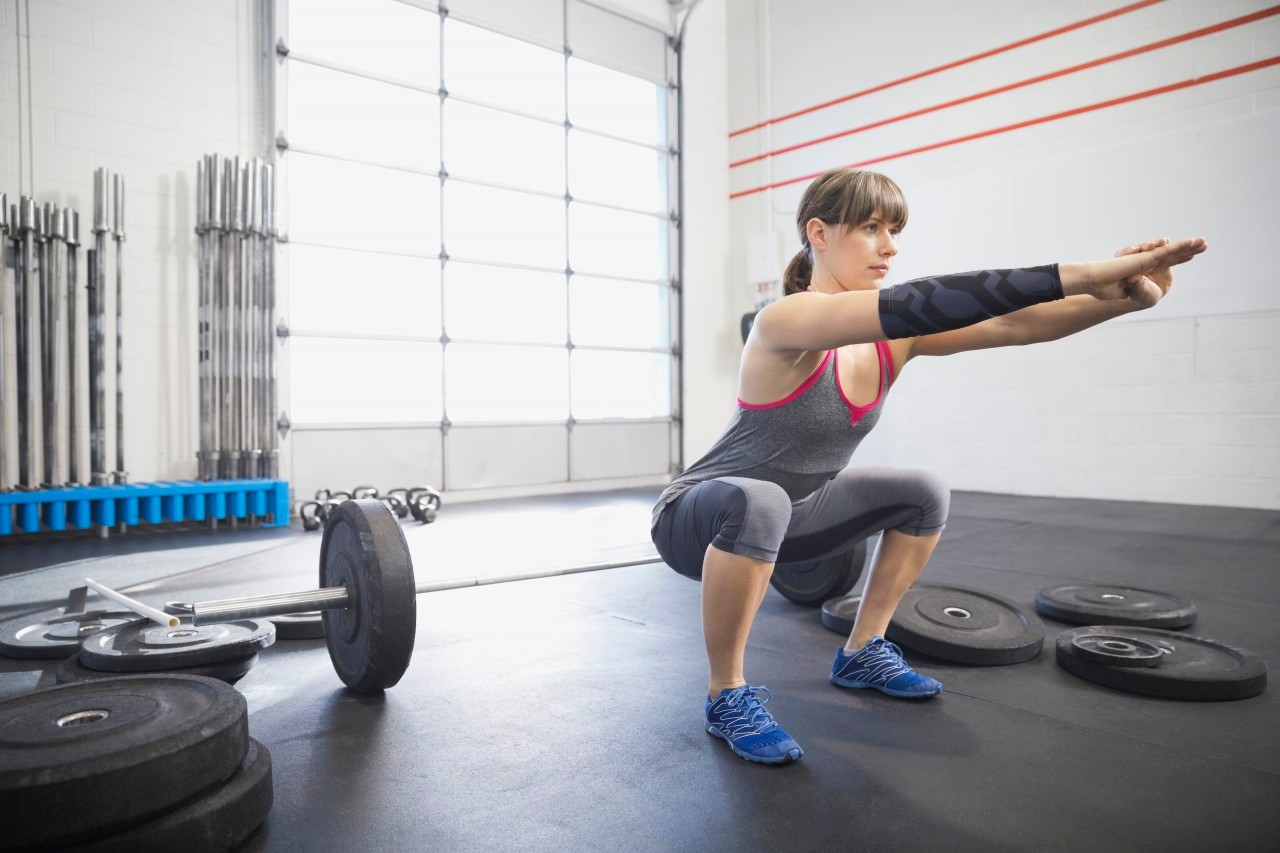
(287, 603)
(368, 594)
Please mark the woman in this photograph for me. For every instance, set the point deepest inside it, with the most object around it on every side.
(815, 372)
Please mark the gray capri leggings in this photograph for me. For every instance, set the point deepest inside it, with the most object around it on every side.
(755, 518)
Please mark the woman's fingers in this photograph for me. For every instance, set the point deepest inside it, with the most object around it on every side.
(1177, 252)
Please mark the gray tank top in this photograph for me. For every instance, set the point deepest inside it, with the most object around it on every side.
(799, 442)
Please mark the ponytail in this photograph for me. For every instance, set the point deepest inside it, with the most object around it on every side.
(798, 274)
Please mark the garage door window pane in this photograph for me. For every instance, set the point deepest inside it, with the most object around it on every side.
(604, 312)
(337, 203)
(339, 380)
(339, 290)
(486, 224)
(615, 103)
(500, 304)
(493, 146)
(356, 117)
(621, 384)
(613, 242)
(613, 172)
(504, 383)
(382, 36)
(503, 71)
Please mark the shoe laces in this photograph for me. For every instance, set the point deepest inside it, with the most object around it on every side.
(751, 707)
(884, 646)
(883, 658)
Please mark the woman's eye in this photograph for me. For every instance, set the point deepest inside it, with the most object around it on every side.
(872, 228)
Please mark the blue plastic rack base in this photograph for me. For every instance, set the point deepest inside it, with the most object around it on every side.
(82, 507)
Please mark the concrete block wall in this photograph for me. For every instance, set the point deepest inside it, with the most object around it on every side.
(143, 88)
(1179, 403)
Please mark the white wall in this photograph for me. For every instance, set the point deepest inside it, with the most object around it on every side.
(143, 88)
(1179, 404)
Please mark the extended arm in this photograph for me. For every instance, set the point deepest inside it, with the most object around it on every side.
(1054, 320)
(929, 307)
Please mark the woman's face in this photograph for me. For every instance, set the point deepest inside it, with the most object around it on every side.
(856, 258)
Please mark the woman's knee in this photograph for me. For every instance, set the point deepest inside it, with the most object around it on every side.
(754, 519)
(932, 495)
(733, 514)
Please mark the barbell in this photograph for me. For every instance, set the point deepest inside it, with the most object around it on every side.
(368, 596)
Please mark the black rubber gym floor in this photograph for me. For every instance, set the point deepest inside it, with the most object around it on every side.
(566, 713)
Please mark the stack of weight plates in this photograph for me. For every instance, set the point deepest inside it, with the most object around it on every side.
(225, 651)
(55, 635)
(139, 762)
(1155, 662)
(106, 643)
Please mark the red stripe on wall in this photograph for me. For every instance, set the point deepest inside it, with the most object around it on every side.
(1133, 7)
(1094, 63)
(1172, 87)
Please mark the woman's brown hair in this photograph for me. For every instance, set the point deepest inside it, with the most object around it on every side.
(841, 197)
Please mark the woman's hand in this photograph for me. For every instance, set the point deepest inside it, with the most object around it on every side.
(1145, 290)
(1138, 273)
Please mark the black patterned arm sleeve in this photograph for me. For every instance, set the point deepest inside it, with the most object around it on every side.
(926, 306)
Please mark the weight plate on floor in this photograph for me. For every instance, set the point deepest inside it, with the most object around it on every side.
(80, 760)
(371, 639)
(1115, 650)
(838, 614)
(299, 626)
(72, 670)
(811, 582)
(965, 625)
(1193, 668)
(56, 634)
(144, 646)
(1090, 604)
(216, 822)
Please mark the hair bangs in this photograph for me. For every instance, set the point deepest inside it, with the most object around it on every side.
(867, 192)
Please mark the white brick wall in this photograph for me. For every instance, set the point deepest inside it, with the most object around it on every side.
(1158, 410)
(1181, 404)
(143, 88)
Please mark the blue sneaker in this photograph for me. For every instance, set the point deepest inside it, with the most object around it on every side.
(738, 716)
(879, 664)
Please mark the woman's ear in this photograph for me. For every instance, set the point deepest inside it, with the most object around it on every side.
(818, 233)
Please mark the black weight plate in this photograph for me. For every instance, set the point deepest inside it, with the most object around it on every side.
(72, 670)
(371, 639)
(839, 614)
(144, 646)
(812, 582)
(56, 634)
(1115, 650)
(216, 822)
(1193, 668)
(1090, 604)
(79, 760)
(299, 626)
(965, 625)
